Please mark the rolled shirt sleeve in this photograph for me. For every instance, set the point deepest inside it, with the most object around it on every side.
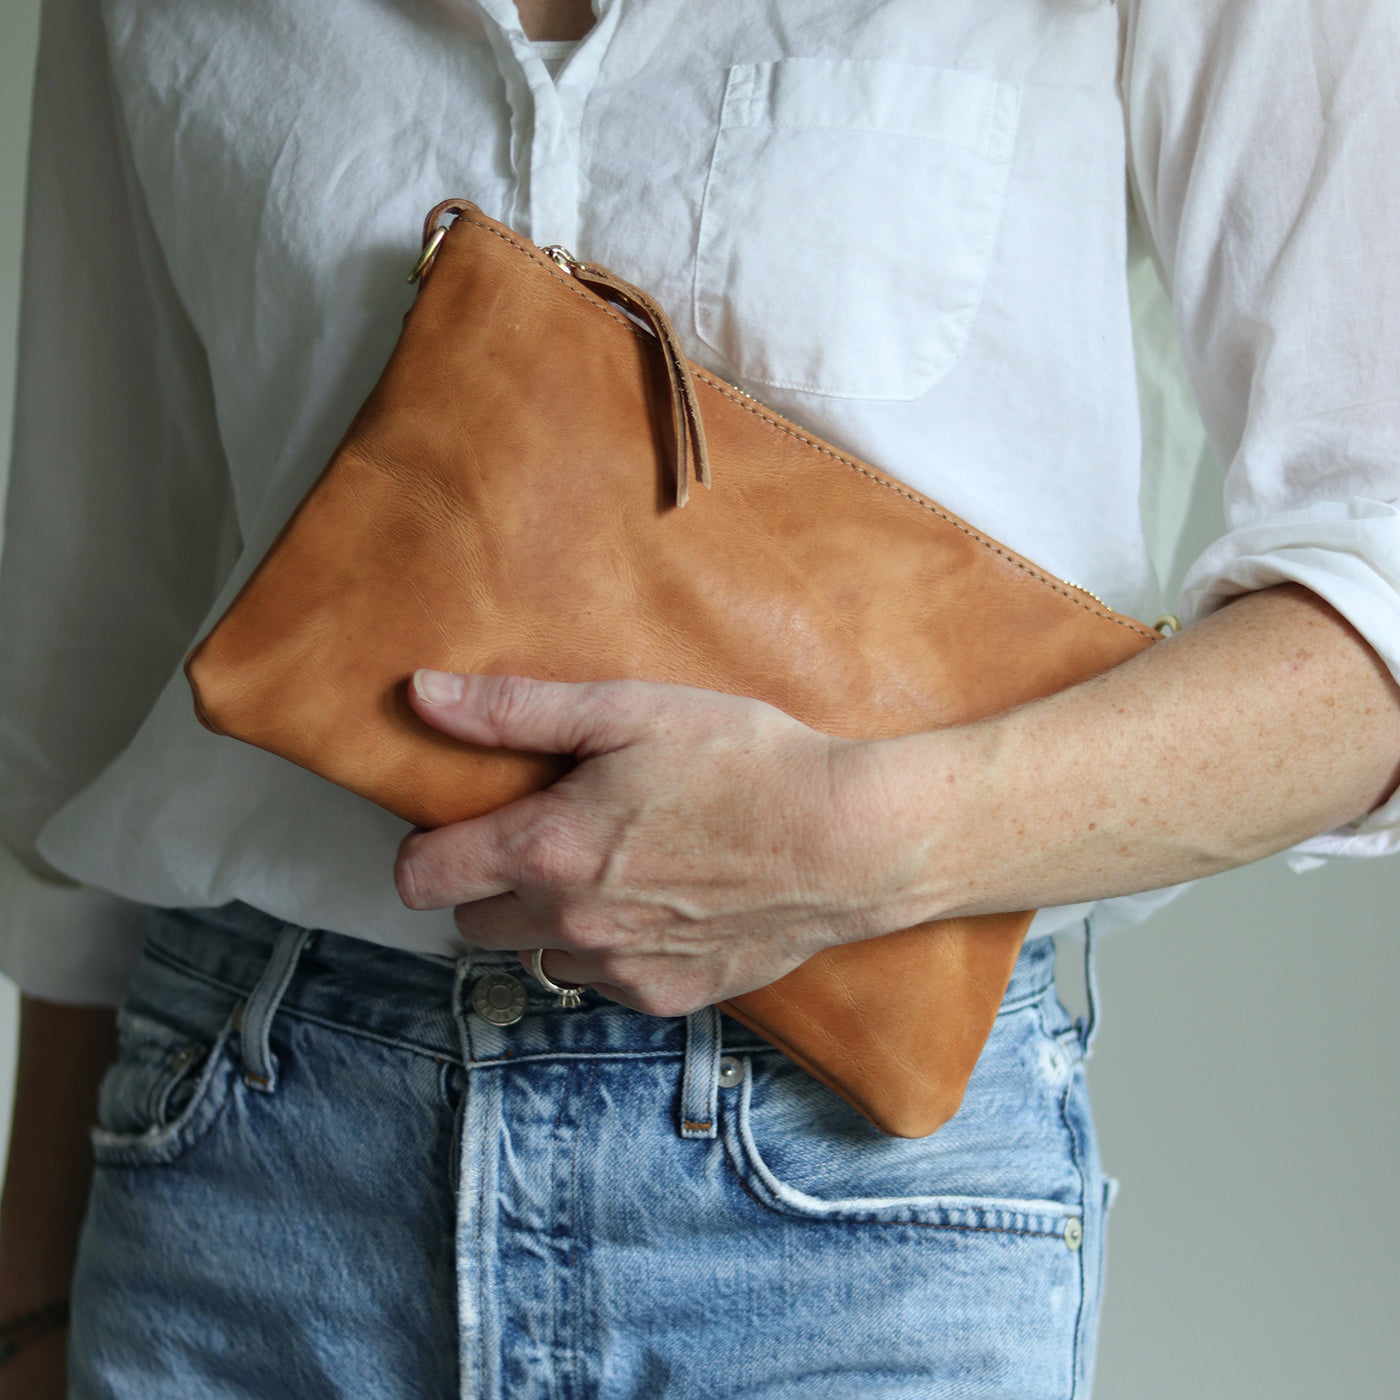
(118, 523)
(1266, 171)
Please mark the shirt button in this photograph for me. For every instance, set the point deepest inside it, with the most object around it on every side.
(731, 1071)
(1074, 1234)
(499, 998)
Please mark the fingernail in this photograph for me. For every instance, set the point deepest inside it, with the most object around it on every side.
(438, 687)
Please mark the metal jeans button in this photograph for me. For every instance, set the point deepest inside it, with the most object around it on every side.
(731, 1071)
(499, 998)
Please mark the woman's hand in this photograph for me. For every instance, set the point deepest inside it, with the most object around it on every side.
(704, 845)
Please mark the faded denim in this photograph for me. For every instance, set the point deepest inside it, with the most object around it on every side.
(322, 1174)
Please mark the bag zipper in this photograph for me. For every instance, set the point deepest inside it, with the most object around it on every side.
(687, 425)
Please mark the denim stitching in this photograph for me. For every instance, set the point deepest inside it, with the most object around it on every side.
(574, 1269)
(416, 1047)
(1067, 1038)
(556, 1129)
(156, 1162)
(737, 1158)
(459, 1119)
(261, 1006)
(1030, 998)
(238, 989)
(1084, 1244)
(480, 1251)
(865, 1221)
(157, 953)
(573, 1056)
(221, 1061)
(419, 1047)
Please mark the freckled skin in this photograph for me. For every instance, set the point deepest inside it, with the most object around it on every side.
(705, 844)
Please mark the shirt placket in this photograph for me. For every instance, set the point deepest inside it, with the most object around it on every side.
(546, 119)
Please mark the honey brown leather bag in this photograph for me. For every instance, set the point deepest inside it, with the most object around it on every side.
(506, 501)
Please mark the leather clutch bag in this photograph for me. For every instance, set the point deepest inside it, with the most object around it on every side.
(506, 501)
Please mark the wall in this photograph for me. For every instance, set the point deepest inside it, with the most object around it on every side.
(18, 35)
(1244, 1081)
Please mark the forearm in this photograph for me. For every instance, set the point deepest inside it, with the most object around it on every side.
(1265, 724)
(704, 845)
(63, 1053)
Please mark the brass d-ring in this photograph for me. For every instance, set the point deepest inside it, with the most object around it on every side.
(425, 258)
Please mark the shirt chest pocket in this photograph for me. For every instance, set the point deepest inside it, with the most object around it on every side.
(849, 222)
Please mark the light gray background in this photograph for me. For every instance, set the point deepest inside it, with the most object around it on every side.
(1243, 1077)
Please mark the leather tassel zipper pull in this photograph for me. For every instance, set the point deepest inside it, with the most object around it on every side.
(687, 425)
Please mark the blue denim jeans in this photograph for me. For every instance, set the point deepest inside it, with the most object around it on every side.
(322, 1171)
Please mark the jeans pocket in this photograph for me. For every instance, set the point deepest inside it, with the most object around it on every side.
(162, 1095)
(801, 1151)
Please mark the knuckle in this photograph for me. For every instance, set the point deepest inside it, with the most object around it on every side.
(507, 698)
(551, 854)
(406, 881)
(621, 693)
(576, 928)
(592, 934)
(547, 860)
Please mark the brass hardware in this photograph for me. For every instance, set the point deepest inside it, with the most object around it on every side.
(1169, 624)
(563, 257)
(499, 999)
(425, 258)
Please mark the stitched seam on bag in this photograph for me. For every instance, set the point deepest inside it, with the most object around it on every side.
(1048, 580)
(721, 388)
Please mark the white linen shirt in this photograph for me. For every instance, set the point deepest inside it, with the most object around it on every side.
(902, 224)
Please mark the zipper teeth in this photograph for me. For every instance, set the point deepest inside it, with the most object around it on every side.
(569, 263)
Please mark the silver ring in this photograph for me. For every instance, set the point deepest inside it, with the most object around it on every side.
(569, 996)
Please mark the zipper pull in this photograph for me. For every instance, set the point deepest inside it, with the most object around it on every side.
(563, 257)
(687, 426)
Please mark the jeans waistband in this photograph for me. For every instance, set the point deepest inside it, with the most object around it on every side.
(219, 956)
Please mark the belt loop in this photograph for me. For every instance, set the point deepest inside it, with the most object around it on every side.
(255, 1023)
(700, 1077)
(1089, 1025)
